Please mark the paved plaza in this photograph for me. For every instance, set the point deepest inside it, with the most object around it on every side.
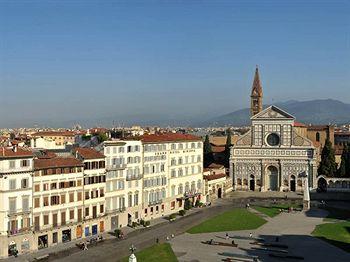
(293, 229)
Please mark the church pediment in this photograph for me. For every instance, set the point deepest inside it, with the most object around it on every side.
(272, 112)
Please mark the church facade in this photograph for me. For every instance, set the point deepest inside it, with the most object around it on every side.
(271, 156)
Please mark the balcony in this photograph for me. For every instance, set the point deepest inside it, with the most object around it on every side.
(118, 210)
(115, 167)
(154, 203)
(13, 232)
(13, 212)
(130, 178)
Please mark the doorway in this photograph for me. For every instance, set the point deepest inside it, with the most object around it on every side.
(252, 183)
(292, 183)
(272, 175)
(219, 192)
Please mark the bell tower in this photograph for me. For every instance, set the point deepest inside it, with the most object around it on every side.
(256, 104)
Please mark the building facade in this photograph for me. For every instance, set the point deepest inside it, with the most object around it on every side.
(16, 170)
(272, 155)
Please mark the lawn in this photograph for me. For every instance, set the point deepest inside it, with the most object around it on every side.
(274, 210)
(236, 219)
(337, 234)
(159, 252)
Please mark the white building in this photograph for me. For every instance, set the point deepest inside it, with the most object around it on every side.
(16, 170)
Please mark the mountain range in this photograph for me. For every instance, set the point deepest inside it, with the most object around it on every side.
(320, 111)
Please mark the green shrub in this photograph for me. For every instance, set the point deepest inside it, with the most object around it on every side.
(182, 212)
(197, 203)
(172, 216)
(134, 224)
(188, 204)
(147, 223)
(142, 222)
(117, 232)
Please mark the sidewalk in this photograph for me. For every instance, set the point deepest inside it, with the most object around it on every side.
(70, 247)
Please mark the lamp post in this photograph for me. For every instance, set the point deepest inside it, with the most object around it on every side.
(132, 257)
(306, 198)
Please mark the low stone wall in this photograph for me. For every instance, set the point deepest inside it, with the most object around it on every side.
(339, 196)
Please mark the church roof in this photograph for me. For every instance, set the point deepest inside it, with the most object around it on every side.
(257, 88)
(272, 112)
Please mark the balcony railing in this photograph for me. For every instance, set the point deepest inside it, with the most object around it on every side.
(157, 202)
(117, 210)
(115, 167)
(130, 178)
(18, 231)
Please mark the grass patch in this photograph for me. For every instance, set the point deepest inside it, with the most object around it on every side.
(337, 234)
(159, 252)
(236, 219)
(274, 210)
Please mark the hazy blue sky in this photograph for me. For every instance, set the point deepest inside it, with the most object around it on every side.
(66, 60)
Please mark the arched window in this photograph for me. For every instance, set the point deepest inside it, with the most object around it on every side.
(318, 137)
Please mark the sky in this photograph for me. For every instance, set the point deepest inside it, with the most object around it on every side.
(121, 62)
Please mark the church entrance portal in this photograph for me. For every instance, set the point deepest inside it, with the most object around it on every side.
(292, 183)
(252, 183)
(272, 175)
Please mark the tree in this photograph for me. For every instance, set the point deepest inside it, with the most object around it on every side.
(328, 166)
(208, 152)
(344, 168)
(227, 148)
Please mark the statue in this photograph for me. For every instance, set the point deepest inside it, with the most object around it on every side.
(132, 257)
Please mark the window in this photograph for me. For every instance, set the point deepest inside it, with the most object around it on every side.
(53, 186)
(46, 201)
(101, 208)
(45, 187)
(318, 137)
(12, 164)
(36, 202)
(55, 200)
(37, 188)
(12, 183)
(71, 197)
(71, 214)
(63, 218)
(12, 204)
(46, 219)
(86, 211)
(79, 196)
(25, 163)
(24, 183)
(130, 200)
(87, 195)
(63, 199)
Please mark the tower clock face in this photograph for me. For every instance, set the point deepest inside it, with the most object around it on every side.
(273, 139)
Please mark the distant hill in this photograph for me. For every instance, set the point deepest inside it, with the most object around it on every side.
(322, 111)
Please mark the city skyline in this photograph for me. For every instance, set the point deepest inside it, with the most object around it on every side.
(86, 60)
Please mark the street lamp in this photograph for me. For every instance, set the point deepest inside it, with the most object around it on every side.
(132, 257)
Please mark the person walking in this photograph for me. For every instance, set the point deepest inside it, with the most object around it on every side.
(227, 237)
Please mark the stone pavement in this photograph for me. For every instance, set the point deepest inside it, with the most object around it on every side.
(293, 229)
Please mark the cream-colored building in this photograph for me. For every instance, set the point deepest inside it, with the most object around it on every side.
(172, 172)
(16, 170)
(57, 200)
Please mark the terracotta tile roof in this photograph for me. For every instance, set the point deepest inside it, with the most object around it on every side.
(10, 152)
(54, 133)
(169, 137)
(319, 127)
(213, 177)
(56, 162)
(88, 153)
(215, 165)
(298, 124)
(218, 149)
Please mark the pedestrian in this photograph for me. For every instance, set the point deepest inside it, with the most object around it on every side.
(172, 235)
(157, 240)
(85, 246)
(227, 237)
(167, 238)
(233, 242)
(250, 235)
